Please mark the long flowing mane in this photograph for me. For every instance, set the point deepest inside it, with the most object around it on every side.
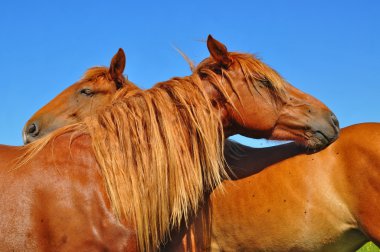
(161, 152)
(161, 149)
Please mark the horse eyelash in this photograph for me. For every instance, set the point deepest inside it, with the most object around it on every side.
(87, 92)
(267, 83)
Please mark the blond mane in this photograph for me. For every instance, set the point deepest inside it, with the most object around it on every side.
(161, 149)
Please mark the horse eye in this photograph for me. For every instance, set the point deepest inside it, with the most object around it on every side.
(267, 83)
(202, 75)
(86, 92)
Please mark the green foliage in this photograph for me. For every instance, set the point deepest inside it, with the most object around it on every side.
(369, 247)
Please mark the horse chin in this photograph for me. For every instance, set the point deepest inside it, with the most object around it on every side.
(311, 142)
(317, 142)
(288, 134)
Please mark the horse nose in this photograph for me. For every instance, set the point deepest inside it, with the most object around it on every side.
(30, 131)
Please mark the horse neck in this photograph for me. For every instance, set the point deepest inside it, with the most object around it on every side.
(165, 137)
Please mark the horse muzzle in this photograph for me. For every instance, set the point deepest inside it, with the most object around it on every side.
(322, 133)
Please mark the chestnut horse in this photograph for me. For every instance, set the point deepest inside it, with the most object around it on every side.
(283, 200)
(46, 116)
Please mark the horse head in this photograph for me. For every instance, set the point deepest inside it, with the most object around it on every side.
(80, 100)
(255, 101)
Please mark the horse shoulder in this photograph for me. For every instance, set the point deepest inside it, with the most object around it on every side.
(60, 203)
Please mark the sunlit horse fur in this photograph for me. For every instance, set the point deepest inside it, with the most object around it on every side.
(283, 200)
(91, 91)
(159, 150)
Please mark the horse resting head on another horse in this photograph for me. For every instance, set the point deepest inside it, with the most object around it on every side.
(139, 145)
(269, 105)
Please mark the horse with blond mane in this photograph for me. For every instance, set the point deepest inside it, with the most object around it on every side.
(44, 120)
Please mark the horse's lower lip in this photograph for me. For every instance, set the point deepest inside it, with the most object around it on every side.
(311, 140)
(323, 136)
(312, 150)
(320, 141)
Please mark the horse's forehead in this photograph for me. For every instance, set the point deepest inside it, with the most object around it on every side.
(93, 81)
(210, 63)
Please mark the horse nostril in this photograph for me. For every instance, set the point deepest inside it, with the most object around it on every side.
(32, 130)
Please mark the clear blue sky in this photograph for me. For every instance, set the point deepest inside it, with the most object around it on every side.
(330, 49)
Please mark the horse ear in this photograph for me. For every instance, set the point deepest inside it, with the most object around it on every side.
(117, 68)
(218, 51)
